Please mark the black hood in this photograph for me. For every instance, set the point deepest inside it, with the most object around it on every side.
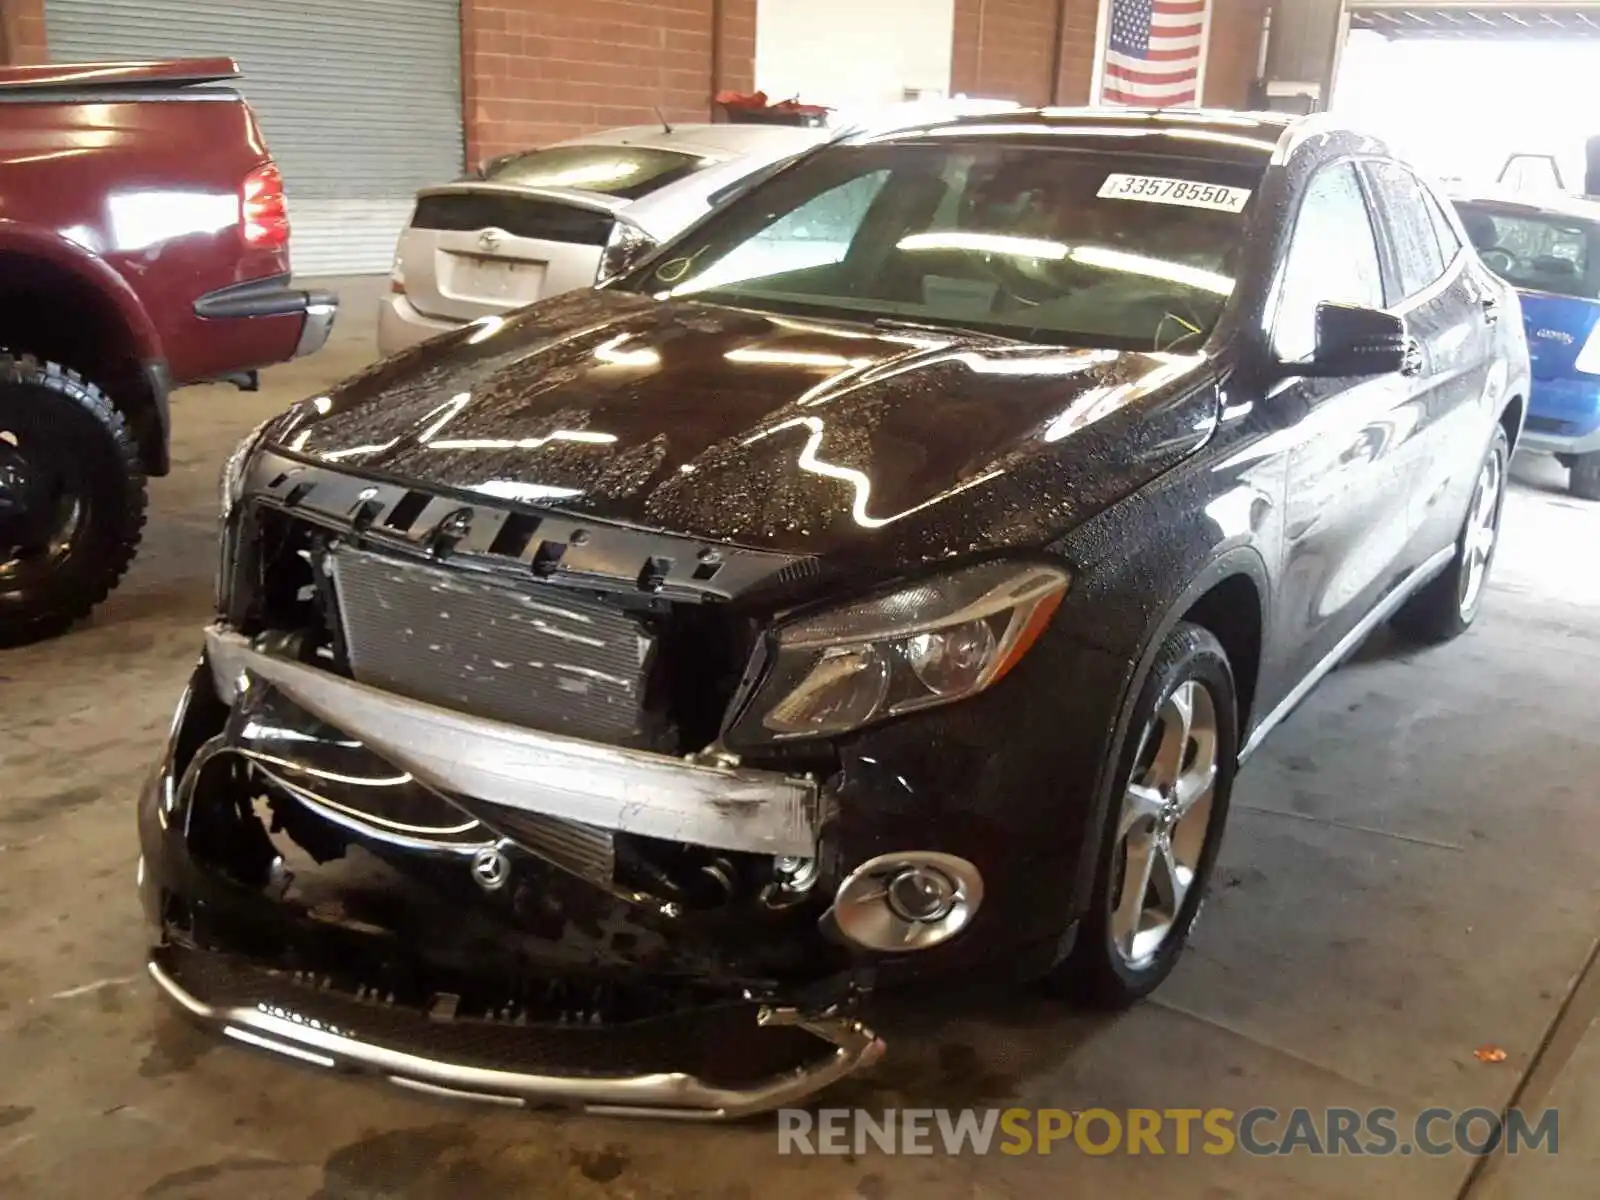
(827, 438)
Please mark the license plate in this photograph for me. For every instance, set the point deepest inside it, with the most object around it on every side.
(497, 278)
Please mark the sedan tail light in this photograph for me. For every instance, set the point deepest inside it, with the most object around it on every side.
(264, 209)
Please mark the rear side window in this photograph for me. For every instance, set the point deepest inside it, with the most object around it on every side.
(1332, 259)
(1402, 202)
(1542, 252)
(627, 172)
(1449, 240)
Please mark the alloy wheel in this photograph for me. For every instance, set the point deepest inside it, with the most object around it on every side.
(1483, 528)
(1164, 822)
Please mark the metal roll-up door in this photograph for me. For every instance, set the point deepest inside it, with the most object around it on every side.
(1465, 19)
(359, 100)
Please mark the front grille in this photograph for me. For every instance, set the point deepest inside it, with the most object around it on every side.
(520, 216)
(534, 656)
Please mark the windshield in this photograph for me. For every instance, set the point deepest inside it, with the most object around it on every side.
(628, 172)
(1544, 252)
(1039, 243)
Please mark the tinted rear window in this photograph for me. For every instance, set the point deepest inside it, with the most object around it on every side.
(520, 216)
(1542, 252)
(628, 172)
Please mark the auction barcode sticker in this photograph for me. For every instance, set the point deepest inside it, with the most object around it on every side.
(1184, 192)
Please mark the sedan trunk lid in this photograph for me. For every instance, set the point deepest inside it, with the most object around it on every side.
(476, 249)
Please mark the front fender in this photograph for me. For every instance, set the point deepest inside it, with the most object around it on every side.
(1143, 572)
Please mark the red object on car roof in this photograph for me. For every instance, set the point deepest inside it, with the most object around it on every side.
(758, 101)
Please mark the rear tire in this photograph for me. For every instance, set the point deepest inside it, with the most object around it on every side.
(85, 461)
(1168, 809)
(1583, 477)
(1447, 605)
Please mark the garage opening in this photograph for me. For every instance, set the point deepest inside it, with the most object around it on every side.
(1478, 93)
(360, 101)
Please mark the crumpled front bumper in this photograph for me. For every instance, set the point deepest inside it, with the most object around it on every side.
(312, 899)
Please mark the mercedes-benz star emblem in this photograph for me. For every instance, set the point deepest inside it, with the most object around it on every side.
(491, 868)
(489, 240)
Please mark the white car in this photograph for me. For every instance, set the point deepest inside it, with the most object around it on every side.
(542, 222)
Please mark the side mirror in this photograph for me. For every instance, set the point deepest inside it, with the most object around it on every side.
(1356, 341)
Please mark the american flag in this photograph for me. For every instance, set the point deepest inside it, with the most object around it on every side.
(1153, 50)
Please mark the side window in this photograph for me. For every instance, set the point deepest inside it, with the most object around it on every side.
(1332, 258)
(1402, 203)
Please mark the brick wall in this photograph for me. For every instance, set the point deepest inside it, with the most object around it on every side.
(22, 31)
(1005, 49)
(537, 70)
(1234, 50)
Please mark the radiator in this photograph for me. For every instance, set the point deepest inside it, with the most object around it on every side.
(533, 656)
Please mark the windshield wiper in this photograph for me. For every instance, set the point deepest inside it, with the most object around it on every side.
(948, 330)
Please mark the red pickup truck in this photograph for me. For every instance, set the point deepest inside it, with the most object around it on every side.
(144, 244)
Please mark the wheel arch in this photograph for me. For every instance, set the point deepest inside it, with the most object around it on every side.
(1235, 576)
(1512, 417)
(110, 339)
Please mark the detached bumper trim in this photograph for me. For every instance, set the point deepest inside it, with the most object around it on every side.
(666, 1094)
(631, 791)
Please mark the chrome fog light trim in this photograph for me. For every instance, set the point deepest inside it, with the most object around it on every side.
(908, 901)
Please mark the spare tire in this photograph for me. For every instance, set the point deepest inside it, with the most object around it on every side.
(73, 498)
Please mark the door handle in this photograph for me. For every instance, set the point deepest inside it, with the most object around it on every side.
(1411, 363)
(1491, 309)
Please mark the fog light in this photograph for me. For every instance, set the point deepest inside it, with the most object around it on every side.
(907, 901)
(921, 894)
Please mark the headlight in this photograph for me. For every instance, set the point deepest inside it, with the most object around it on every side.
(625, 248)
(933, 643)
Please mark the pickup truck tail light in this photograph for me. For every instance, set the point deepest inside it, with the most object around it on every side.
(264, 209)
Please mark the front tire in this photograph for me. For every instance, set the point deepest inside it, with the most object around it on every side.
(72, 499)
(1583, 476)
(1163, 826)
(1448, 605)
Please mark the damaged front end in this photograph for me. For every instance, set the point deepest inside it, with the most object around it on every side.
(501, 805)
(417, 822)
(315, 899)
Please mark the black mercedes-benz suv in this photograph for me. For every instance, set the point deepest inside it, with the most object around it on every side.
(880, 582)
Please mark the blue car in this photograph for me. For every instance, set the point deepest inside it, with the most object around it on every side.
(1548, 248)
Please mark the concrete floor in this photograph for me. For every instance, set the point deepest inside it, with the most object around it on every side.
(1409, 874)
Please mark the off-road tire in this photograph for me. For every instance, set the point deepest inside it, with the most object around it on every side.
(1438, 612)
(46, 401)
(1095, 973)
